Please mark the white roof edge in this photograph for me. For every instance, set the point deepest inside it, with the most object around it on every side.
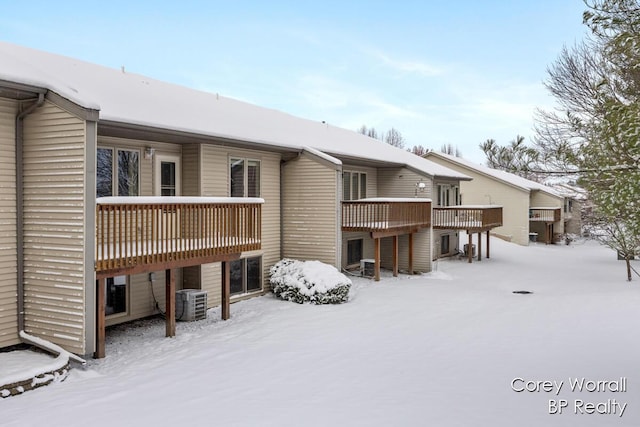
(322, 155)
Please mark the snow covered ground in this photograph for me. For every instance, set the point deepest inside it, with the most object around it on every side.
(443, 349)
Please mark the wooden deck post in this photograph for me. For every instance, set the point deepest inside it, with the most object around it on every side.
(469, 247)
(395, 256)
(226, 290)
(376, 250)
(479, 246)
(170, 302)
(411, 253)
(101, 284)
(488, 254)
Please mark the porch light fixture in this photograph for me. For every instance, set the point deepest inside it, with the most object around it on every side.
(148, 153)
(420, 186)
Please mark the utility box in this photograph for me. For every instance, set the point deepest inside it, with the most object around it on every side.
(191, 304)
(466, 250)
(367, 267)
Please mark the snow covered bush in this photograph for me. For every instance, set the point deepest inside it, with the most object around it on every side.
(309, 281)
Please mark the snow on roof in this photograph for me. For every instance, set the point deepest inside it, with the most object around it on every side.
(130, 98)
(515, 180)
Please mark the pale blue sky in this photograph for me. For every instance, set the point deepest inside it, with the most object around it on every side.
(456, 72)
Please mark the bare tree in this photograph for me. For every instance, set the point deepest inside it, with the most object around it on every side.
(394, 137)
(595, 131)
(419, 150)
(370, 132)
(451, 150)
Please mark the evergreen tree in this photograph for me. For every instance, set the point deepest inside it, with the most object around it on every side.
(516, 157)
(596, 132)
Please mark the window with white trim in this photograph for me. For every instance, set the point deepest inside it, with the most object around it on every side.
(354, 185)
(244, 177)
(448, 195)
(117, 172)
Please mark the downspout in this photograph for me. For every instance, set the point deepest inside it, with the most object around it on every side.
(20, 206)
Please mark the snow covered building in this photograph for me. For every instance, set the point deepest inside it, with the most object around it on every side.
(117, 190)
(529, 208)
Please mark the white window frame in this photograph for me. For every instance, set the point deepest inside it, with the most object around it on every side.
(245, 171)
(115, 167)
(361, 189)
(158, 159)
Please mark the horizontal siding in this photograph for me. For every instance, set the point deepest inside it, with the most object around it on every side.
(142, 292)
(214, 182)
(541, 199)
(54, 231)
(8, 251)
(482, 190)
(310, 219)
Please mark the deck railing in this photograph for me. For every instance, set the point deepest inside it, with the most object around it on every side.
(379, 215)
(136, 231)
(467, 217)
(545, 214)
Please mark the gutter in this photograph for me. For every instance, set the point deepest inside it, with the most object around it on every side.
(20, 205)
(38, 342)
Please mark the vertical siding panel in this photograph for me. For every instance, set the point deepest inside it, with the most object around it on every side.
(8, 251)
(310, 216)
(54, 152)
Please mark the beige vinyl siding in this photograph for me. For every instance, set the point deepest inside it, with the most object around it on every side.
(485, 190)
(8, 251)
(437, 243)
(372, 191)
(542, 199)
(367, 245)
(401, 182)
(514, 201)
(421, 251)
(310, 210)
(191, 170)
(141, 296)
(54, 232)
(214, 182)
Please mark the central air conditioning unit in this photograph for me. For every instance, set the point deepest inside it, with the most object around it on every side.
(367, 267)
(191, 304)
(466, 250)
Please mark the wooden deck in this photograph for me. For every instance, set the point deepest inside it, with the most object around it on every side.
(387, 217)
(471, 218)
(545, 214)
(144, 234)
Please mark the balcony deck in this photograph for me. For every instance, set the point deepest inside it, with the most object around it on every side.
(387, 217)
(139, 234)
(143, 234)
(544, 214)
(467, 217)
